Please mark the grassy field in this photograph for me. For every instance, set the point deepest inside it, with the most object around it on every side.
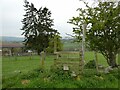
(10, 66)
(14, 70)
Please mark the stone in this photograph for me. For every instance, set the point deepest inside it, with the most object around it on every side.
(65, 67)
(73, 74)
(101, 67)
(108, 69)
(24, 82)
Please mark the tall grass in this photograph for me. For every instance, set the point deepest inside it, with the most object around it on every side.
(42, 78)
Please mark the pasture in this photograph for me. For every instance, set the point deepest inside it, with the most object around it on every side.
(11, 65)
(23, 72)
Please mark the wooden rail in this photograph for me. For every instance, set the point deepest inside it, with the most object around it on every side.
(65, 52)
(72, 60)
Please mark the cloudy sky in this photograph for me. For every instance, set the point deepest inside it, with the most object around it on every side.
(13, 11)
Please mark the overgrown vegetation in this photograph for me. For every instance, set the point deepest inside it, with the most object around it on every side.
(90, 64)
(43, 78)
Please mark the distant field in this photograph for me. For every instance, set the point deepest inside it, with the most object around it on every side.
(71, 46)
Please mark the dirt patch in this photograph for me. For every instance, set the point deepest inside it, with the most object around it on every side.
(25, 82)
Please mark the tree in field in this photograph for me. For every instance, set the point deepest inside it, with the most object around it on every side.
(37, 27)
(103, 28)
(55, 44)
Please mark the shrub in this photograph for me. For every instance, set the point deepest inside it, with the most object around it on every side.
(90, 64)
(32, 74)
(59, 73)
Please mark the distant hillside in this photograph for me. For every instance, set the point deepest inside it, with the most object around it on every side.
(11, 39)
(70, 45)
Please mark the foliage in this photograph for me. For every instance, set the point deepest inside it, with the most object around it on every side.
(44, 79)
(37, 27)
(59, 73)
(103, 33)
(90, 64)
(56, 39)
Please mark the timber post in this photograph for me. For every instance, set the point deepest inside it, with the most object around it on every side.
(42, 58)
(96, 62)
(80, 62)
(55, 43)
(83, 45)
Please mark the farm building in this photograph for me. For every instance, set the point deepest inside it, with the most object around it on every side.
(10, 49)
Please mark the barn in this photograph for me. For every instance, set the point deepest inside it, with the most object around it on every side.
(10, 49)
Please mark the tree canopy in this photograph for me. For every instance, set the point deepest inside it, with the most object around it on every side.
(37, 27)
(55, 44)
(103, 28)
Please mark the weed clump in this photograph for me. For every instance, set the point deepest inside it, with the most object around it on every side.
(90, 64)
(59, 74)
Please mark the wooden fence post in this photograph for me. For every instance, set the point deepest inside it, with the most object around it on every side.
(10, 54)
(55, 43)
(80, 62)
(96, 62)
(119, 57)
(42, 57)
(83, 45)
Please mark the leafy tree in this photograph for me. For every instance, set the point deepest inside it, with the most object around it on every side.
(56, 39)
(103, 28)
(37, 27)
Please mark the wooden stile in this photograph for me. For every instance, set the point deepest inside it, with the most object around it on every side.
(67, 60)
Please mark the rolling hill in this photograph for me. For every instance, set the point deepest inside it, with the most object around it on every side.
(11, 39)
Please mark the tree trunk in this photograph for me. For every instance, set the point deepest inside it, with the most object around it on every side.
(38, 52)
(43, 56)
(112, 60)
(96, 61)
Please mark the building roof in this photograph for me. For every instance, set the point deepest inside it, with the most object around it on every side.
(11, 45)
